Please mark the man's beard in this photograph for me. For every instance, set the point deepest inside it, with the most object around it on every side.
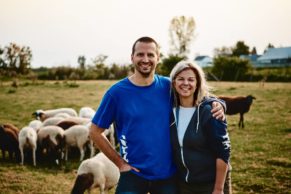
(144, 74)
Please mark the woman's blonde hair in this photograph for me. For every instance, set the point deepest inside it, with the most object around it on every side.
(202, 89)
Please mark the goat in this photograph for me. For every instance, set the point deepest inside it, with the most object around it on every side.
(238, 104)
(98, 171)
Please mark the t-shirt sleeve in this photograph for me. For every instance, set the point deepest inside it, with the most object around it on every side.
(105, 114)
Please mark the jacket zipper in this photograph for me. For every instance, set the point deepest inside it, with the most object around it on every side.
(182, 156)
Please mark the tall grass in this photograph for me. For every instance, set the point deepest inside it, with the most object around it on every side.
(260, 152)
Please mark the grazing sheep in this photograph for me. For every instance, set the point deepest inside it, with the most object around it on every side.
(238, 104)
(27, 139)
(43, 115)
(9, 141)
(87, 112)
(51, 138)
(98, 171)
(77, 136)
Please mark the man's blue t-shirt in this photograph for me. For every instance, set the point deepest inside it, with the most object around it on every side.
(142, 118)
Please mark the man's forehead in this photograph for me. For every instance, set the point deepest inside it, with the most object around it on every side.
(145, 47)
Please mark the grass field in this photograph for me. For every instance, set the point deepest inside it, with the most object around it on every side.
(261, 152)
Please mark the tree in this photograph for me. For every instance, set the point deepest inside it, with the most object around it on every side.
(181, 33)
(16, 58)
(101, 70)
(268, 47)
(167, 64)
(254, 51)
(223, 51)
(240, 49)
(82, 62)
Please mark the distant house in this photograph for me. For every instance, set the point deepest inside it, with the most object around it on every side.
(204, 61)
(252, 58)
(275, 57)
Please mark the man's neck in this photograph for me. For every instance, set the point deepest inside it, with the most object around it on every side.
(139, 80)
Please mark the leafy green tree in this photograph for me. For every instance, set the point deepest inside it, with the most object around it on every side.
(181, 33)
(240, 49)
(167, 64)
(231, 68)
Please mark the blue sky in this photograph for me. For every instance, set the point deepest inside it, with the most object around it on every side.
(58, 31)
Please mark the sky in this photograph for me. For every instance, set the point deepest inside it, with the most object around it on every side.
(58, 31)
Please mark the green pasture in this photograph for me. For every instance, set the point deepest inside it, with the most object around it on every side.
(261, 152)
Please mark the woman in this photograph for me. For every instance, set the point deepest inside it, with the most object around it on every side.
(200, 142)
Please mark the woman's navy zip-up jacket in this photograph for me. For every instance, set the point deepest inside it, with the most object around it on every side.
(205, 140)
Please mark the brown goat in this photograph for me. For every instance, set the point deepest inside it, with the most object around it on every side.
(238, 104)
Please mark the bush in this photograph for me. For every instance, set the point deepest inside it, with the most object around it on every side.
(231, 68)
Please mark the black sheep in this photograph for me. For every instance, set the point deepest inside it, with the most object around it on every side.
(238, 104)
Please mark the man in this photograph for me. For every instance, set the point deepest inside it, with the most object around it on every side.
(140, 106)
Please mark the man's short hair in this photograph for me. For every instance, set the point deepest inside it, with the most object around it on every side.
(145, 39)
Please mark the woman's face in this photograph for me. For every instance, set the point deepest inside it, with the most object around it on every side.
(185, 83)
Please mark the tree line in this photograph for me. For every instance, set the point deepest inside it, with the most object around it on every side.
(15, 60)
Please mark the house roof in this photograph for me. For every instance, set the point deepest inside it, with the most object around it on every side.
(200, 58)
(276, 53)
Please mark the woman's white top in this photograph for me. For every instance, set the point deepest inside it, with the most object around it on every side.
(185, 115)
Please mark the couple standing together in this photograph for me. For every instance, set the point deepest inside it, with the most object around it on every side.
(171, 139)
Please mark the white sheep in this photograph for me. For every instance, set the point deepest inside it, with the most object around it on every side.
(98, 171)
(27, 139)
(78, 120)
(77, 136)
(35, 124)
(63, 115)
(109, 133)
(86, 112)
(52, 121)
(44, 114)
(51, 138)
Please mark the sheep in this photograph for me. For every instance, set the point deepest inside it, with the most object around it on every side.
(27, 138)
(86, 112)
(52, 121)
(35, 124)
(42, 115)
(63, 115)
(66, 124)
(78, 120)
(51, 138)
(98, 171)
(238, 104)
(9, 141)
(109, 133)
(77, 135)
